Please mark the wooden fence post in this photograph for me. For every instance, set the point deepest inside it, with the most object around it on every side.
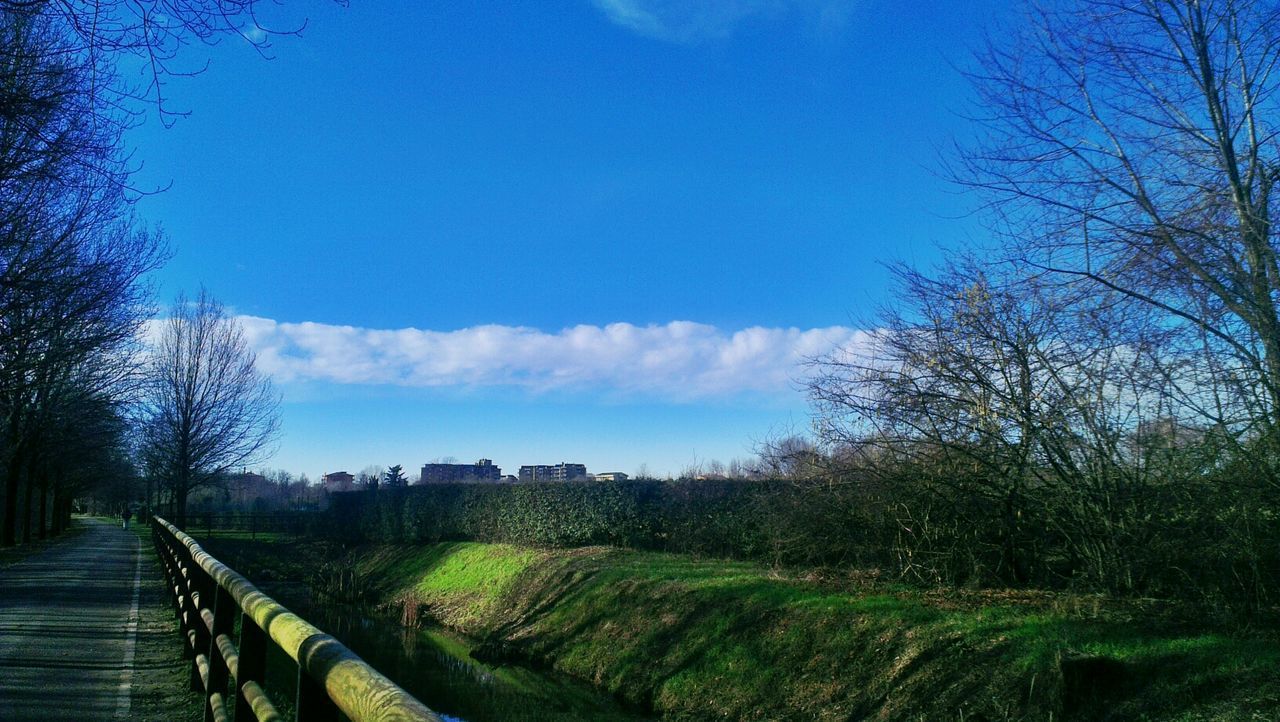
(224, 609)
(253, 663)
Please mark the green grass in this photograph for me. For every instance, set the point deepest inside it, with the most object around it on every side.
(699, 637)
(476, 578)
(707, 638)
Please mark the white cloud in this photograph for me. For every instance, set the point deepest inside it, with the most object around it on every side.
(683, 21)
(677, 360)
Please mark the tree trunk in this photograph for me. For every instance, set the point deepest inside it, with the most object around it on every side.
(28, 487)
(9, 535)
(42, 528)
(55, 523)
(180, 491)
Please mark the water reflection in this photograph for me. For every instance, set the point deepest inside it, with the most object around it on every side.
(435, 666)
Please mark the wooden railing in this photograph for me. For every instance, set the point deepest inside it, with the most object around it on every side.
(211, 600)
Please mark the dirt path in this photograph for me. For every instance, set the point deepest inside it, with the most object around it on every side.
(68, 617)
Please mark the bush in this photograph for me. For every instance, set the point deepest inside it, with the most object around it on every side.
(721, 518)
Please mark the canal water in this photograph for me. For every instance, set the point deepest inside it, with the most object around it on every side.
(436, 667)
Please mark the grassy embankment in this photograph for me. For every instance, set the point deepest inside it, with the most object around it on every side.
(707, 638)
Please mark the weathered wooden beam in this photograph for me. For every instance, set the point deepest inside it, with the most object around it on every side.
(361, 692)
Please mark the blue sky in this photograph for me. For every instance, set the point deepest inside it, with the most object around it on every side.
(594, 231)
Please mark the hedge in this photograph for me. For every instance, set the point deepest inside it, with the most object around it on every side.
(1192, 542)
(721, 518)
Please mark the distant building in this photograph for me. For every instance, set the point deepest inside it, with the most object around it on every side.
(539, 472)
(611, 476)
(482, 470)
(337, 481)
(559, 472)
(246, 480)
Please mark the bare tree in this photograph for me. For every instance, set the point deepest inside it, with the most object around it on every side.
(208, 408)
(789, 456)
(992, 412)
(1133, 147)
(153, 33)
(1056, 414)
(369, 476)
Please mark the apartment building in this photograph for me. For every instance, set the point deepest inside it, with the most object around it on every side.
(482, 470)
(558, 472)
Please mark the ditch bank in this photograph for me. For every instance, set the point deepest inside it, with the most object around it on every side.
(706, 638)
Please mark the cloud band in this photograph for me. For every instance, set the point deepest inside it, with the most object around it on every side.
(681, 359)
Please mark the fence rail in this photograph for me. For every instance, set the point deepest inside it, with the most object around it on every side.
(209, 597)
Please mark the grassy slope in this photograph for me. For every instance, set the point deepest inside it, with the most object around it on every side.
(704, 638)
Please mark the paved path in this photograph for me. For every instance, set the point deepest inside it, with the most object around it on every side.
(68, 617)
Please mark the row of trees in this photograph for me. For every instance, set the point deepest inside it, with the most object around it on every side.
(267, 490)
(71, 262)
(1100, 404)
(74, 303)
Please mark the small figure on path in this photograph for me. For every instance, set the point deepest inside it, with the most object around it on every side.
(126, 515)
